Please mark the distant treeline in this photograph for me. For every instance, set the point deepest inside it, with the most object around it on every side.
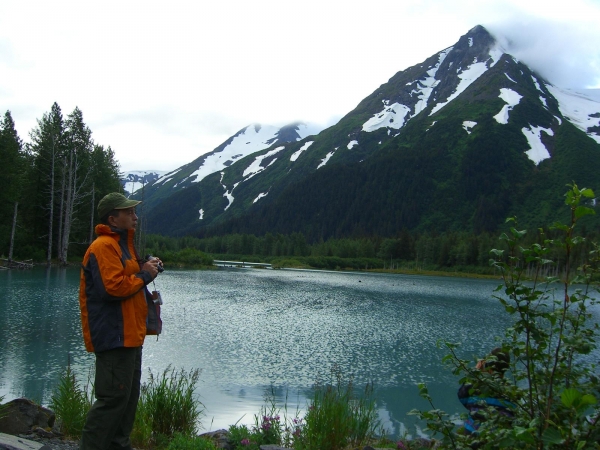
(420, 251)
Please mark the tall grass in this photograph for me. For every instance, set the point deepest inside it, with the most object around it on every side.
(167, 410)
(336, 419)
(168, 416)
(183, 442)
(167, 407)
(272, 426)
(71, 402)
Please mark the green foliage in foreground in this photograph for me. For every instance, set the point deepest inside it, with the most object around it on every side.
(167, 416)
(554, 381)
(181, 441)
(71, 402)
(336, 418)
(270, 428)
(167, 407)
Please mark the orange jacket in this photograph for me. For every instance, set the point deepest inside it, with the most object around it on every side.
(112, 293)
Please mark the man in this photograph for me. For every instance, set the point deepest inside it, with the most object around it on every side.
(478, 396)
(115, 310)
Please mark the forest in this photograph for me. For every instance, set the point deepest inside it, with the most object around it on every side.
(51, 186)
(460, 252)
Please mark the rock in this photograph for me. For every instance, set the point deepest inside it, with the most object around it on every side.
(43, 433)
(220, 437)
(10, 442)
(23, 415)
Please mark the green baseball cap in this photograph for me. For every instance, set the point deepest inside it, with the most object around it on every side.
(114, 200)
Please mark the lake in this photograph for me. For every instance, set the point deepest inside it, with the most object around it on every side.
(251, 330)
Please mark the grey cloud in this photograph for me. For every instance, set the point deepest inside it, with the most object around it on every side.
(564, 54)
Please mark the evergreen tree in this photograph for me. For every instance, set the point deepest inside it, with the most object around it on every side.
(68, 174)
(13, 161)
(48, 147)
(105, 178)
(77, 178)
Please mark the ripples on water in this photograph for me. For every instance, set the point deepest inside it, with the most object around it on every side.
(251, 329)
(248, 329)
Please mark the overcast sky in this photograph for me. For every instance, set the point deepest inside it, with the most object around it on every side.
(164, 82)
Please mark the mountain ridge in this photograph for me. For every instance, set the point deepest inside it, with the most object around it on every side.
(469, 127)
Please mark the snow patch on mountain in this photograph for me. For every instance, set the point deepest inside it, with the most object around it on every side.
(250, 140)
(136, 179)
(229, 195)
(470, 74)
(512, 99)
(538, 151)
(537, 84)
(308, 129)
(582, 108)
(425, 87)
(261, 195)
(298, 152)
(392, 116)
(168, 176)
(542, 93)
(255, 167)
(327, 158)
(352, 144)
(467, 125)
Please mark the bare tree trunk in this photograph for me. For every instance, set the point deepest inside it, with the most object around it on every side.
(73, 198)
(12, 235)
(68, 208)
(61, 213)
(50, 222)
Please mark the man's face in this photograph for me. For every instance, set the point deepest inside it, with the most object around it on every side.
(126, 220)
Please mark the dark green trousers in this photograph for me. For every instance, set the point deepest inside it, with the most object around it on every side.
(117, 388)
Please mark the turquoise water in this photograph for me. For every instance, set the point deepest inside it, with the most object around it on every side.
(252, 329)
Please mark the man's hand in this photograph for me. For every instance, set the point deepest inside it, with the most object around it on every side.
(152, 267)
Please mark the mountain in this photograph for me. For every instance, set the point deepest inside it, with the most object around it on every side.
(248, 140)
(460, 141)
(136, 179)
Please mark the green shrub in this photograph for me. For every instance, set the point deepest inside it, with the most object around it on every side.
(242, 437)
(554, 382)
(167, 406)
(336, 418)
(71, 403)
(182, 442)
(141, 435)
(270, 427)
